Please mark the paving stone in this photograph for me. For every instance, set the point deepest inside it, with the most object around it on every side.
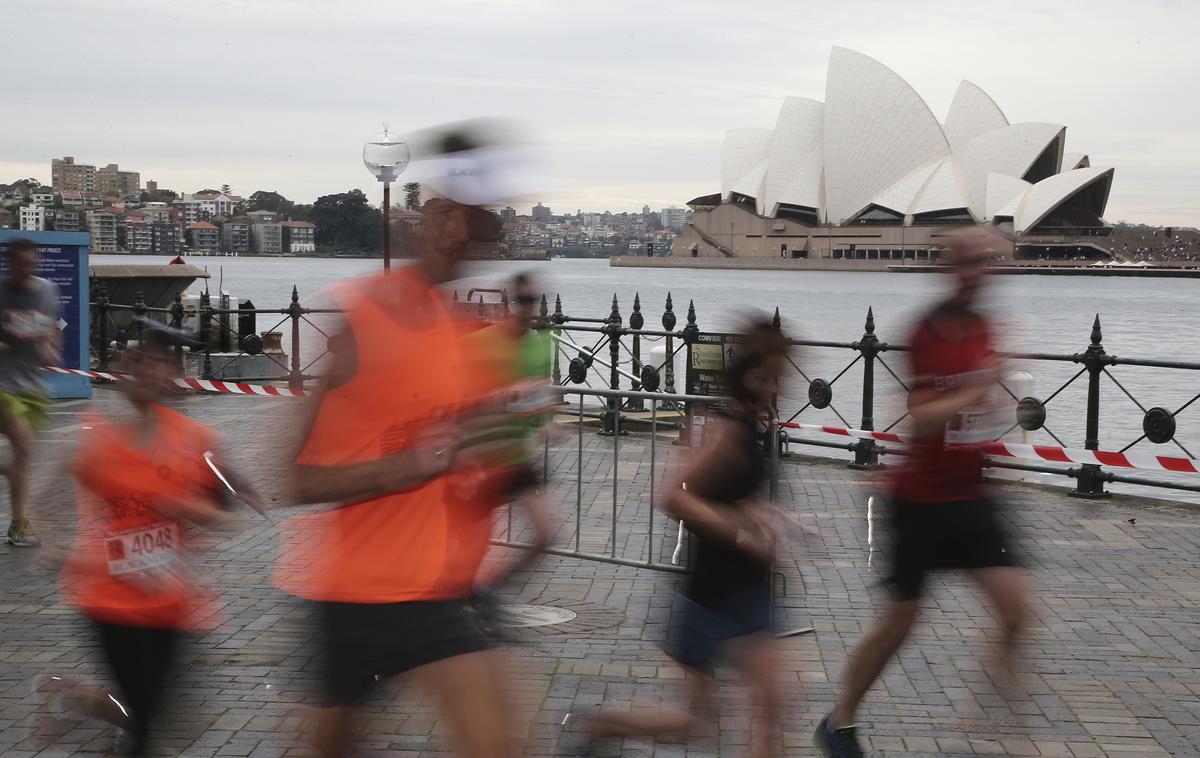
(1112, 662)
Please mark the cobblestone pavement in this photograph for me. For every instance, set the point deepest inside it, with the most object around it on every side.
(1114, 657)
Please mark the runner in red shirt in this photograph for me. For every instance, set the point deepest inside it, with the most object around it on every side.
(942, 516)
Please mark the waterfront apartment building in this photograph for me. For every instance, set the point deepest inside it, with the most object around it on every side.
(167, 238)
(299, 237)
(673, 218)
(541, 213)
(65, 220)
(267, 238)
(157, 213)
(134, 235)
(66, 174)
(103, 226)
(235, 235)
(111, 180)
(204, 237)
(43, 196)
(33, 218)
(262, 217)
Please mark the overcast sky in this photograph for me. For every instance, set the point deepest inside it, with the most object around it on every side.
(631, 98)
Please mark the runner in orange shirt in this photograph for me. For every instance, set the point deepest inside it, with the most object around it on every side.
(393, 564)
(142, 482)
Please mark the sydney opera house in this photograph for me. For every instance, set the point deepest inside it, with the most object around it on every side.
(870, 174)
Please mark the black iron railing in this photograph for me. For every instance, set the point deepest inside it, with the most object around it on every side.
(608, 352)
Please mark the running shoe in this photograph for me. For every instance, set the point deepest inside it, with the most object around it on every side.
(841, 742)
(20, 534)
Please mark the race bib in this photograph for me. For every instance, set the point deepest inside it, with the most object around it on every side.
(27, 324)
(975, 426)
(530, 400)
(144, 552)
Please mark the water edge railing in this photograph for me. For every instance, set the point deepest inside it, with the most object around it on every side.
(594, 351)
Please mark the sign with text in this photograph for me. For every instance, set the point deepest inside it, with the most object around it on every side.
(707, 358)
(64, 261)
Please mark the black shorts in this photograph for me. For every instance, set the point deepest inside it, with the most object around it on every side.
(363, 644)
(964, 534)
(140, 659)
(520, 479)
(700, 631)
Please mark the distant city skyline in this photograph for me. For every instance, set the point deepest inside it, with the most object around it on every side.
(631, 101)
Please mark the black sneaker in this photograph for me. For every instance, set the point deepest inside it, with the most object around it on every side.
(837, 743)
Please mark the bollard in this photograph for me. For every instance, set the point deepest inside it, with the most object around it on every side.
(295, 378)
(613, 329)
(636, 322)
(1089, 482)
(866, 456)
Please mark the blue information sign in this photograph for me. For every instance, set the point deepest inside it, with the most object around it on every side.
(64, 261)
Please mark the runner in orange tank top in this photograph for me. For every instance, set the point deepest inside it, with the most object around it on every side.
(394, 441)
(141, 483)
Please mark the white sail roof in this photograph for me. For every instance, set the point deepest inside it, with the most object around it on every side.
(1003, 194)
(1011, 150)
(874, 142)
(795, 159)
(1072, 161)
(1043, 197)
(972, 113)
(744, 161)
(943, 192)
(901, 196)
(877, 131)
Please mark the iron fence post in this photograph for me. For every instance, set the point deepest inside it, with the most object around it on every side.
(295, 379)
(1089, 482)
(139, 310)
(613, 329)
(177, 323)
(102, 308)
(636, 322)
(668, 322)
(865, 453)
(205, 333)
(690, 334)
(557, 318)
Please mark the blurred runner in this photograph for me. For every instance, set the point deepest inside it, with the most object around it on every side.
(943, 518)
(394, 442)
(143, 480)
(522, 355)
(29, 339)
(725, 611)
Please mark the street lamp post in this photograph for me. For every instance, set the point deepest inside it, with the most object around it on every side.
(386, 156)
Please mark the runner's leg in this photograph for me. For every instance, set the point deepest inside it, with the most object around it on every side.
(20, 436)
(757, 655)
(470, 695)
(1005, 586)
(871, 655)
(333, 731)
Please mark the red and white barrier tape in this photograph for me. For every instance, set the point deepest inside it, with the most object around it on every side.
(204, 385)
(1148, 461)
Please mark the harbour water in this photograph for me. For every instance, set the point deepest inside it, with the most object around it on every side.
(1143, 318)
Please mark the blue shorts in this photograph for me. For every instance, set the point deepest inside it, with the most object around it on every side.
(699, 631)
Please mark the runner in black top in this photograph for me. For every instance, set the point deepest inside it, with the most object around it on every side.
(725, 609)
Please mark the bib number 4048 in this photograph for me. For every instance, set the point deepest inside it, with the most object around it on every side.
(151, 548)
